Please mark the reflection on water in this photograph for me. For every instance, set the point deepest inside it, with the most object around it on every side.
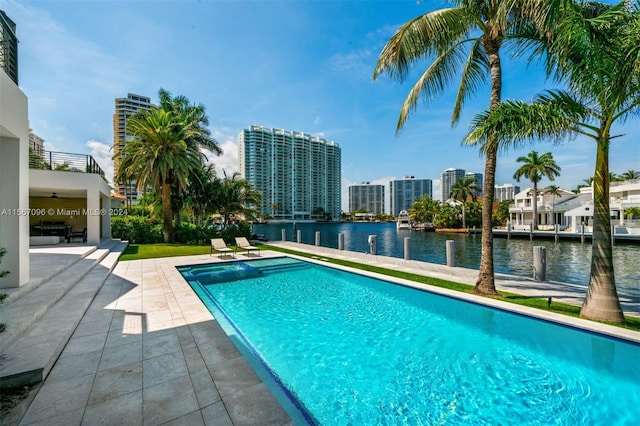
(567, 261)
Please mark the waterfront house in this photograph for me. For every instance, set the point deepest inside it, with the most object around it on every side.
(572, 212)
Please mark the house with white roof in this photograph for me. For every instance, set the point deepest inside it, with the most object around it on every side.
(573, 211)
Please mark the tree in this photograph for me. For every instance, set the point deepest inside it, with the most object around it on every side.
(159, 155)
(464, 39)
(630, 175)
(535, 167)
(594, 50)
(424, 210)
(462, 190)
(237, 196)
(202, 194)
(554, 191)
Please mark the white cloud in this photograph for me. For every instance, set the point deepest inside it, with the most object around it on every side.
(317, 120)
(228, 161)
(101, 152)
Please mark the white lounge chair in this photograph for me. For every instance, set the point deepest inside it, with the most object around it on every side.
(243, 243)
(220, 246)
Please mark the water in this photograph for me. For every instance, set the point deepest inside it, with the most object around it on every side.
(351, 350)
(567, 261)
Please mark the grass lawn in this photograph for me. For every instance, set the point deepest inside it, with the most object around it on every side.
(151, 251)
(148, 251)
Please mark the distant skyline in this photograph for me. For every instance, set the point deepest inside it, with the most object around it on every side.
(297, 65)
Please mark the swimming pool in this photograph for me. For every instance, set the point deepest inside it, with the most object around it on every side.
(348, 349)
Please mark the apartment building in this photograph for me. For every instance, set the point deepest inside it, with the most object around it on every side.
(366, 197)
(405, 192)
(298, 174)
(125, 108)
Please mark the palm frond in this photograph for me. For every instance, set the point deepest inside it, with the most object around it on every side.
(422, 37)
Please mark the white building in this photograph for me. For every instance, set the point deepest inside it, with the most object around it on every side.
(448, 178)
(26, 194)
(405, 192)
(506, 191)
(298, 174)
(366, 197)
(573, 211)
(14, 182)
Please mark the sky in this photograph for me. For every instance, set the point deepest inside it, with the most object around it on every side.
(300, 65)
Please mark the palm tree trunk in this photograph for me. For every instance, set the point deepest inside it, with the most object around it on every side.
(167, 213)
(485, 284)
(602, 301)
(535, 205)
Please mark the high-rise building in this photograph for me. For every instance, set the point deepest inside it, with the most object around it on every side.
(366, 197)
(448, 178)
(298, 174)
(477, 178)
(405, 192)
(507, 191)
(125, 108)
(8, 47)
(36, 143)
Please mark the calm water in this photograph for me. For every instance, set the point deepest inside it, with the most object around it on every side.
(567, 261)
(351, 350)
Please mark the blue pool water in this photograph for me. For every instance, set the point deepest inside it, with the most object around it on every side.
(349, 349)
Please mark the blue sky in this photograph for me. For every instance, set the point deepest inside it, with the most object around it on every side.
(297, 65)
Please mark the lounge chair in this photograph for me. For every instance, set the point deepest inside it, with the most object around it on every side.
(242, 243)
(220, 246)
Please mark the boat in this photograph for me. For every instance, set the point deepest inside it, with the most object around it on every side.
(403, 221)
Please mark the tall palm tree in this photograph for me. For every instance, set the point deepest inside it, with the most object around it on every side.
(465, 39)
(554, 191)
(159, 155)
(534, 168)
(200, 139)
(594, 49)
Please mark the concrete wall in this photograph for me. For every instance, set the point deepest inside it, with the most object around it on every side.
(14, 183)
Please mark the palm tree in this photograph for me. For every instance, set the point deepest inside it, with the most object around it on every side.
(462, 190)
(630, 175)
(236, 197)
(202, 193)
(465, 39)
(535, 167)
(200, 139)
(159, 155)
(594, 49)
(554, 191)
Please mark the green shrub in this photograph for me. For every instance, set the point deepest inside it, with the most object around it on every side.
(136, 229)
(241, 229)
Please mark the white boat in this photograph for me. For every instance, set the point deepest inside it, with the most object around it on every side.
(403, 221)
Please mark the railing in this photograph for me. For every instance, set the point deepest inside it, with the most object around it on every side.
(63, 161)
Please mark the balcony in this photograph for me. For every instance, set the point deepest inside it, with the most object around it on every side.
(63, 161)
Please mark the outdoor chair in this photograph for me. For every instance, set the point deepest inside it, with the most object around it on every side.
(243, 243)
(73, 236)
(220, 246)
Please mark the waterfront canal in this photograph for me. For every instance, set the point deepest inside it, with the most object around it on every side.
(567, 261)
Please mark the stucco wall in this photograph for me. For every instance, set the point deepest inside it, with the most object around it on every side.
(14, 183)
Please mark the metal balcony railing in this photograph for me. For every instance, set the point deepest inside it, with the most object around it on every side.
(64, 161)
